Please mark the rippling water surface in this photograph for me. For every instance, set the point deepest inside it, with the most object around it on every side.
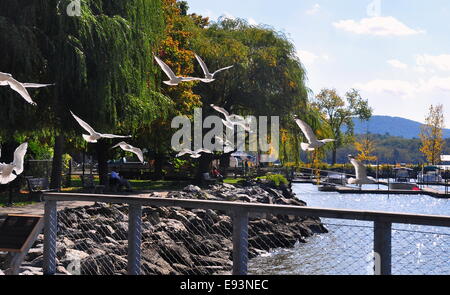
(347, 248)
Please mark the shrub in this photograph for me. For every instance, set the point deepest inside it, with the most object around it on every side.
(276, 179)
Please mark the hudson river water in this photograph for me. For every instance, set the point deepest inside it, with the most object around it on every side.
(347, 248)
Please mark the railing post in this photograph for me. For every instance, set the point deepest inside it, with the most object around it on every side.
(134, 239)
(240, 242)
(382, 247)
(50, 235)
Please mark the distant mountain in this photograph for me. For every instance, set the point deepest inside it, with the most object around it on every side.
(394, 126)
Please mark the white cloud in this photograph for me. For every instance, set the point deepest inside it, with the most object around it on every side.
(252, 21)
(307, 57)
(440, 62)
(393, 87)
(228, 15)
(377, 26)
(397, 64)
(407, 89)
(314, 10)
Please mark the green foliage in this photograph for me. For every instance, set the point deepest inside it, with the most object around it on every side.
(276, 179)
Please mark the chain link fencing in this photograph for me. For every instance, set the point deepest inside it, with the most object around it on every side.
(93, 240)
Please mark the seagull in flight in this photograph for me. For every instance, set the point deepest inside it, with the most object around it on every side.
(174, 79)
(9, 172)
(21, 88)
(313, 142)
(129, 148)
(233, 120)
(361, 173)
(208, 76)
(194, 154)
(94, 136)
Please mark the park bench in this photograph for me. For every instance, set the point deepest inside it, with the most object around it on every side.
(38, 186)
(88, 183)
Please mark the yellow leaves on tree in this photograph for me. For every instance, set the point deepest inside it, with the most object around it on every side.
(174, 51)
(365, 149)
(431, 134)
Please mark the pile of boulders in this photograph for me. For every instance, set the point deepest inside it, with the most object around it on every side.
(93, 239)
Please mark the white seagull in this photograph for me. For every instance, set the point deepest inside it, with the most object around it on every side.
(208, 76)
(227, 145)
(361, 173)
(233, 120)
(194, 154)
(174, 79)
(9, 172)
(21, 88)
(129, 148)
(313, 142)
(94, 136)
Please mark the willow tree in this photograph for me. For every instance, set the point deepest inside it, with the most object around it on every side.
(101, 62)
(267, 79)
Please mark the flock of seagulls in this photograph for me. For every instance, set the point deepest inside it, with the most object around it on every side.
(9, 172)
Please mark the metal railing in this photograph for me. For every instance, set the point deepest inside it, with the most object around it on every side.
(247, 225)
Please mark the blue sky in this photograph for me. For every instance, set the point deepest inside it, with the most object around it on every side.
(397, 53)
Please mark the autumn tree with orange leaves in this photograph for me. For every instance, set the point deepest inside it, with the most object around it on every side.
(431, 134)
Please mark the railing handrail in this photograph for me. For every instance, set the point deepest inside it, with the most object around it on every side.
(376, 216)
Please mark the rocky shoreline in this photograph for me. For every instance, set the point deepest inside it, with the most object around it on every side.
(93, 239)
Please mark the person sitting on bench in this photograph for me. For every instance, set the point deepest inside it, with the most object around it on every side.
(216, 173)
(119, 181)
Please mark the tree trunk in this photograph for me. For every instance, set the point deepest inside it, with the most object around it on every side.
(57, 163)
(204, 166)
(333, 160)
(160, 160)
(102, 158)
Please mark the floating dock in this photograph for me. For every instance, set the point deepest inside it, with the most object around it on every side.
(353, 190)
(425, 191)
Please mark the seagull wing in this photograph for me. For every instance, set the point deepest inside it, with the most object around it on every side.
(360, 169)
(184, 152)
(19, 156)
(307, 131)
(19, 88)
(34, 85)
(85, 125)
(114, 136)
(203, 65)
(206, 151)
(220, 110)
(166, 68)
(137, 151)
(222, 69)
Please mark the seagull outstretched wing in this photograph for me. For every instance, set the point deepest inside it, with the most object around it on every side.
(129, 148)
(19, 88)
(85, 125)
(221, 70)
(19, 156)
(307, 131)
(360, 169)
(166, 69)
